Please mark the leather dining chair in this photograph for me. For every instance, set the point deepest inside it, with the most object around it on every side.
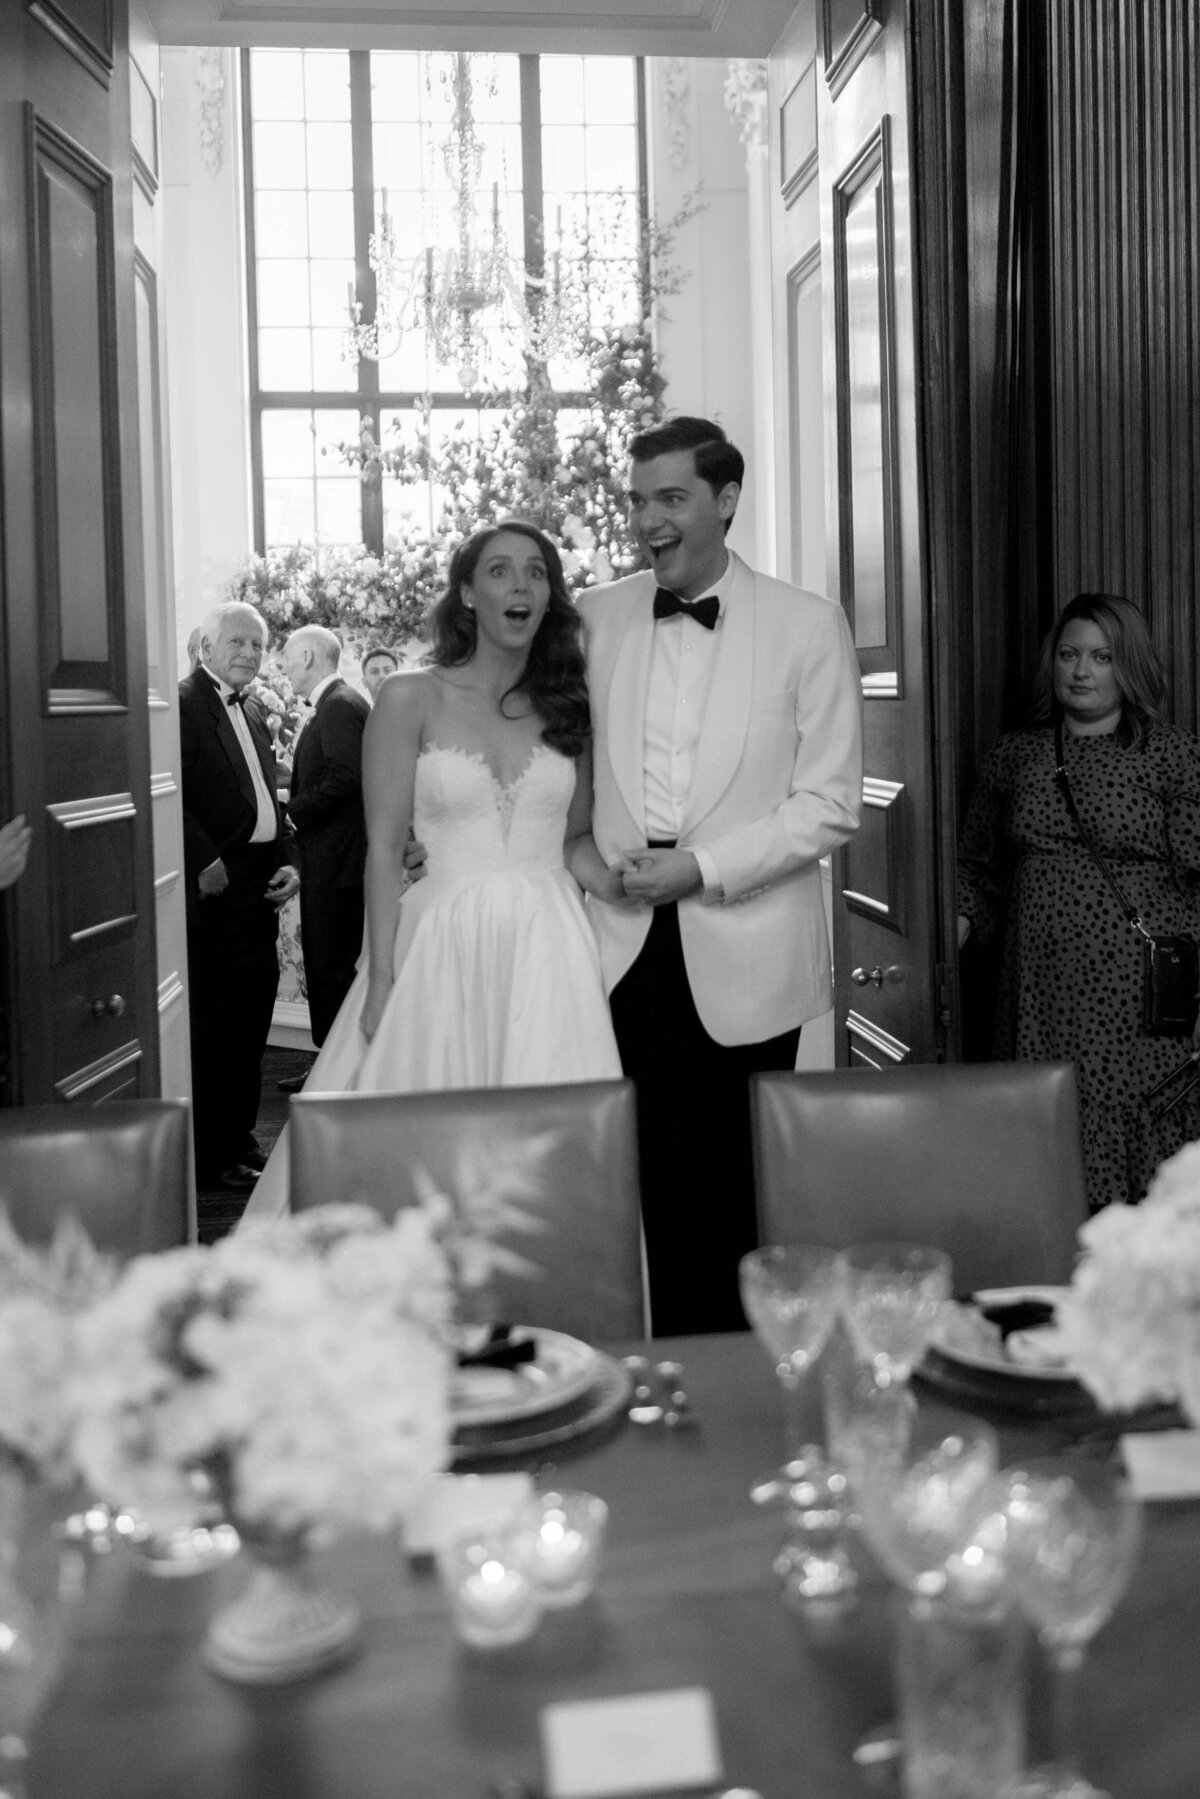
(121, 1168)
(982, 1160)
(587, 1247)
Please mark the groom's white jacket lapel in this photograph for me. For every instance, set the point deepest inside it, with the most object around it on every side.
(777, 784)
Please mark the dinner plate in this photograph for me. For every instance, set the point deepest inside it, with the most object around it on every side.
(598, 1407)
(997, 1361)
(562, 1369)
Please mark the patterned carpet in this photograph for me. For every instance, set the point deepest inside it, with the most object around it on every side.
(219, 1212)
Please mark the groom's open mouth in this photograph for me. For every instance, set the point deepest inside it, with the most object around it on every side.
(661, 546)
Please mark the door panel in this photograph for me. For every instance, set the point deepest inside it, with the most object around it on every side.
(80, 989)
(884, 911)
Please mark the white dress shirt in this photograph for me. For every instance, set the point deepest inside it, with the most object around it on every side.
(681, 669)
(266, 827)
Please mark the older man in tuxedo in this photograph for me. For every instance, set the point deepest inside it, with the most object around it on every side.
(726, 713)
(238, 867)
(326, 809)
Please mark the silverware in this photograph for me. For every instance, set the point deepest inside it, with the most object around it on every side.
(677, 1409)
(644, 1407)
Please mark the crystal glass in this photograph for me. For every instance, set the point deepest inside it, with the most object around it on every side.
(1073, 1533)
(922, 1492)
(790, 1295)
(892, 1295)
(960, 1678)
(922, 1484)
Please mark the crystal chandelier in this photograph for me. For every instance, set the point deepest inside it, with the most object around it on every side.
(446, 293)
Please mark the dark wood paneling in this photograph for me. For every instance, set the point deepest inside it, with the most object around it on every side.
(865, 326)
(1120, 100)
(84, 27)
(77, 442)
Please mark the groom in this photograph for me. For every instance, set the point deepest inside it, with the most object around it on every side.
(726, 712)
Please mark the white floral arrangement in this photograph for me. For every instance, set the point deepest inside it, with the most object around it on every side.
(302, 1367)
(1129, 1326)
(43, 1294)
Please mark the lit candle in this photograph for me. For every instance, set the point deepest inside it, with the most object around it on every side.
(492, 1594)
(351, 302)
(495, 207)
(570, 1530)
(384, 210)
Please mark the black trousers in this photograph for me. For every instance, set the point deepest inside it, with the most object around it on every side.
(694, 1144)
(233, 972)
(331, 935)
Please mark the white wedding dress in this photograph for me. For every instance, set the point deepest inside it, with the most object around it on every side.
(497, 975)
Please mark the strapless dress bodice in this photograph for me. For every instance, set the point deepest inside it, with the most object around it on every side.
(471, 824)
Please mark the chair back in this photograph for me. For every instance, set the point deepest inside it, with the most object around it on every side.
(983, 1161)
(580, 1142)
(121, 1168)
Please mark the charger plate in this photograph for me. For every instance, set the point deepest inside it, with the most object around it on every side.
(970, 1373)
(563, 1368)
(604, 1401)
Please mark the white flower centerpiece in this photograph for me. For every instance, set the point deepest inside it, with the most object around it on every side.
(1129, 1326)
(43, 1295)
(303, 1368)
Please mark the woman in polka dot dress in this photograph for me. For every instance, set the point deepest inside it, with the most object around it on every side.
(1071, 971)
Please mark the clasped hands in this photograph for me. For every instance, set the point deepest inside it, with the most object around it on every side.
(653, 877)
(639, 877)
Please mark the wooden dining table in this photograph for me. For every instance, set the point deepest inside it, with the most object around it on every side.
(686, 1598)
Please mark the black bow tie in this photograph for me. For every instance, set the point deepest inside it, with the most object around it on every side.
(235, 699)
(705, 612)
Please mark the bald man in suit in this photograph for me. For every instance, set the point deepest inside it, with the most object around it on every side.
(326, 809)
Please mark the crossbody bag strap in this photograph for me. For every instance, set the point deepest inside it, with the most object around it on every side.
(1132, 917)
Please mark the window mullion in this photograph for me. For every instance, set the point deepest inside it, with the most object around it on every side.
(363, 160)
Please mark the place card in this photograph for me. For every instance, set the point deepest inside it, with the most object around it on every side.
(460, 1505)
(643, 1743)
(1163, 1464)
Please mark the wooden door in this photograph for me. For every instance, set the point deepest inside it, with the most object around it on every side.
(888, 918)
(79, 976)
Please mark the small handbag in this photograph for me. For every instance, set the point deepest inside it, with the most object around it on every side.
(1170, 965)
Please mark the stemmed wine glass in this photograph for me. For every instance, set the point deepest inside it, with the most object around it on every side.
(790, 1295)
(1072, 1535)
(893, 1295)
(789, 1291)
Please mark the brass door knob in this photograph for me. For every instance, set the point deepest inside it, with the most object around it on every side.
(861, 978)
(113, 1007)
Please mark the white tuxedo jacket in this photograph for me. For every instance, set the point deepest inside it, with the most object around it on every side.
(777, 784)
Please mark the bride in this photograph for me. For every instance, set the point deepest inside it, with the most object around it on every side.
(485, 973)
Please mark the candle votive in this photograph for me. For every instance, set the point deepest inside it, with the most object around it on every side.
(568, 1532)
(489, 1580)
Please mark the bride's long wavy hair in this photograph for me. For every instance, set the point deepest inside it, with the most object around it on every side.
(553, 680)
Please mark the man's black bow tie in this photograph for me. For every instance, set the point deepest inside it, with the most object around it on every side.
(235, 699)
(705, 612)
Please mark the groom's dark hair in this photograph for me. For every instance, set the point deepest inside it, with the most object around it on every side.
(716, 460)
(553, 680)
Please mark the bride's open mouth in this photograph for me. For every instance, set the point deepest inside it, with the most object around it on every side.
(520, 615)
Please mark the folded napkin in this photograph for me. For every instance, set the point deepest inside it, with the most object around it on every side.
(499, 1350)
(457, 1505)
(1163, 1464)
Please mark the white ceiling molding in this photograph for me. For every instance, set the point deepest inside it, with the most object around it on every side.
(725, 28)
